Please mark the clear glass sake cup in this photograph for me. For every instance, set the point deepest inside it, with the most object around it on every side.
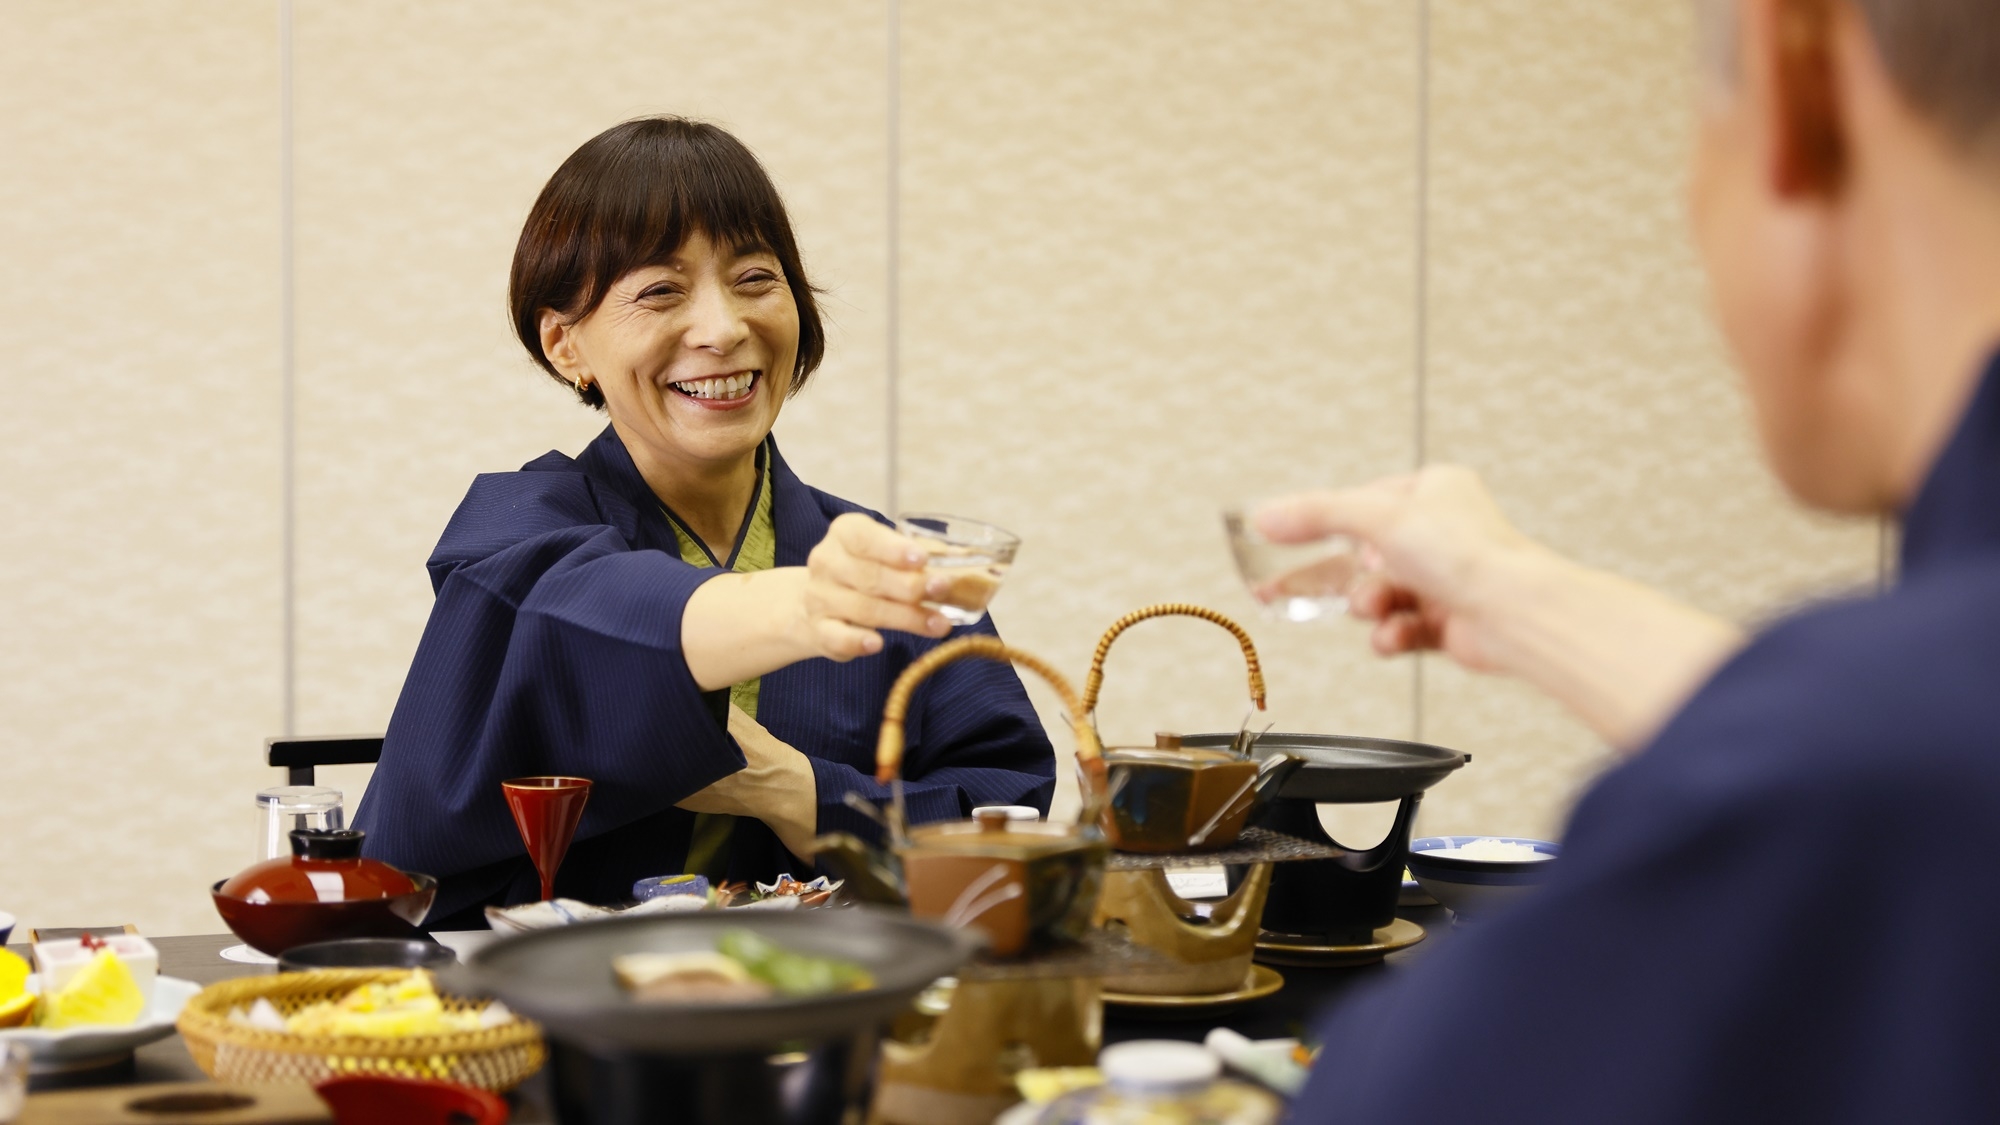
(1292, 581)
(973, 557)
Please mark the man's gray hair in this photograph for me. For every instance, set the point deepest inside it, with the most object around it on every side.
(1944, 54)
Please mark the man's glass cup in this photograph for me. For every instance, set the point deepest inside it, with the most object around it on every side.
(972, 557)
(1293, 581)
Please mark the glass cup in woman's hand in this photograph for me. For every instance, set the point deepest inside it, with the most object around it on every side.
(971, 558)
(1293, 581)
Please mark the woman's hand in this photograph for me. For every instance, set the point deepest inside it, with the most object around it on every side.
(863, 577)
(860, 579)
(776, 785)
(1449, 572)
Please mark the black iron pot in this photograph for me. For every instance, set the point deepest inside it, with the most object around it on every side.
(780, 1061)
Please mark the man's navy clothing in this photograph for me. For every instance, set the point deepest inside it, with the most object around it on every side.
(1784, 909)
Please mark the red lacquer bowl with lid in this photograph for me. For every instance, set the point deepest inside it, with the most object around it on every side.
(325, 890)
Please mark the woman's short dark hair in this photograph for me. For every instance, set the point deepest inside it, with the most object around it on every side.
(628, 199)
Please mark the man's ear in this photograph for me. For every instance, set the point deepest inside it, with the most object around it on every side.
(559, 344)
(1808, 121)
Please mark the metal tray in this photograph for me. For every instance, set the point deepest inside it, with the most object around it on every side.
(1255, 845)
(1350, 770)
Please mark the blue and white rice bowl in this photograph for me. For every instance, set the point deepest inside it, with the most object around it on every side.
(1470, 888)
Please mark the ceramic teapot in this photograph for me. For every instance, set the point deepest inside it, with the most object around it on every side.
(1025, 884)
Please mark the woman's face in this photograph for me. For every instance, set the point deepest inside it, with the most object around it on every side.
(694, 357)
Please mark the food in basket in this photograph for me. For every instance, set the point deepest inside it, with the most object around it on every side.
(743, 966)
(398, 1008)
(17, 1004)
(231, 1044)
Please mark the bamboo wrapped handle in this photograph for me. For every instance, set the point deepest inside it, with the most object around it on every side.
(1095, 680)
(889, 748)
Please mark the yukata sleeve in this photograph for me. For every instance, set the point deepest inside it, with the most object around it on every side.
(556, 654)
(973, 739)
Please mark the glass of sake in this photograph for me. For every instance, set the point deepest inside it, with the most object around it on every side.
(1292, 581)
(971, 556)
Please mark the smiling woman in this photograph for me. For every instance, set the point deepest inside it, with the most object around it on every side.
(672, 613)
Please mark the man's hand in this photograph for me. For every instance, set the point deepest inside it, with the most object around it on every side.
(1447, 571)
(1429, 539)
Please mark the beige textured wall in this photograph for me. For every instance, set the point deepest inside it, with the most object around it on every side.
(1572, 360)
(1154, 257)
(139, 514)
(1141, 283)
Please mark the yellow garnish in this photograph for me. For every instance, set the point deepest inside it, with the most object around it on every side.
(17, 1012)
(1042, 1085)
(13, 975)
(103, 992)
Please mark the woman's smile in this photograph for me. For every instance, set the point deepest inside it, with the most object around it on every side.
(730, 391)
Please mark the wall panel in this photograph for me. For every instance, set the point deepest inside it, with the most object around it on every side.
(1157, 257)
(1573, 361)
(139, 551)
(424, 133)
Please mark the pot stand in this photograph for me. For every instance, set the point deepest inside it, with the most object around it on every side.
(1208, 957)
(1338, 901)
(963, 1072)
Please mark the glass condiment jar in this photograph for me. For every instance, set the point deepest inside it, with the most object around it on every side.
(325, 866)
(286, 809)
(1163, 1082)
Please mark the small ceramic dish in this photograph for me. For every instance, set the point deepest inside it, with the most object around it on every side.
(661, 886)
(1470, 887)
(82, 1048)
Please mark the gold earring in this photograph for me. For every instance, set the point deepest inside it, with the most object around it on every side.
(582, 391)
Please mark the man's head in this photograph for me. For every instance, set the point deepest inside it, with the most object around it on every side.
(1849, 155)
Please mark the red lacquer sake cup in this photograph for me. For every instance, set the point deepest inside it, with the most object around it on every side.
(547, 810)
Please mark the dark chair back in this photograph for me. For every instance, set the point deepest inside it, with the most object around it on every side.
(298, 756)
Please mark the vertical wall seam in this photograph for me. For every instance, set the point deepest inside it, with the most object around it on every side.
(893, 289)
(1421, 360)
(287, 367)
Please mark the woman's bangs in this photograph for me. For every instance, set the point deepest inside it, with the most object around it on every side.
(707, 189)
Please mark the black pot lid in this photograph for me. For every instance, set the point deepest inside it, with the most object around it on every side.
(562, 978)
(1351, 770)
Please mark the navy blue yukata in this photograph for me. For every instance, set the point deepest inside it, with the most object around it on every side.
(554, 648)
(1787, 908)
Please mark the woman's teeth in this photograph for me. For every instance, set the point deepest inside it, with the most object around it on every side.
(723, 387)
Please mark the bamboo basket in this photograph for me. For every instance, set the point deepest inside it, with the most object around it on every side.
(494, 1059)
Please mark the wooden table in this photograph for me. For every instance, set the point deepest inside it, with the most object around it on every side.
(1290, 1012)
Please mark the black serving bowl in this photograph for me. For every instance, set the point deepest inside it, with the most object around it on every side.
(366, 953)
(275, 927)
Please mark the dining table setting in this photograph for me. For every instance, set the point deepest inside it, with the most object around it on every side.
(1159, 957)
